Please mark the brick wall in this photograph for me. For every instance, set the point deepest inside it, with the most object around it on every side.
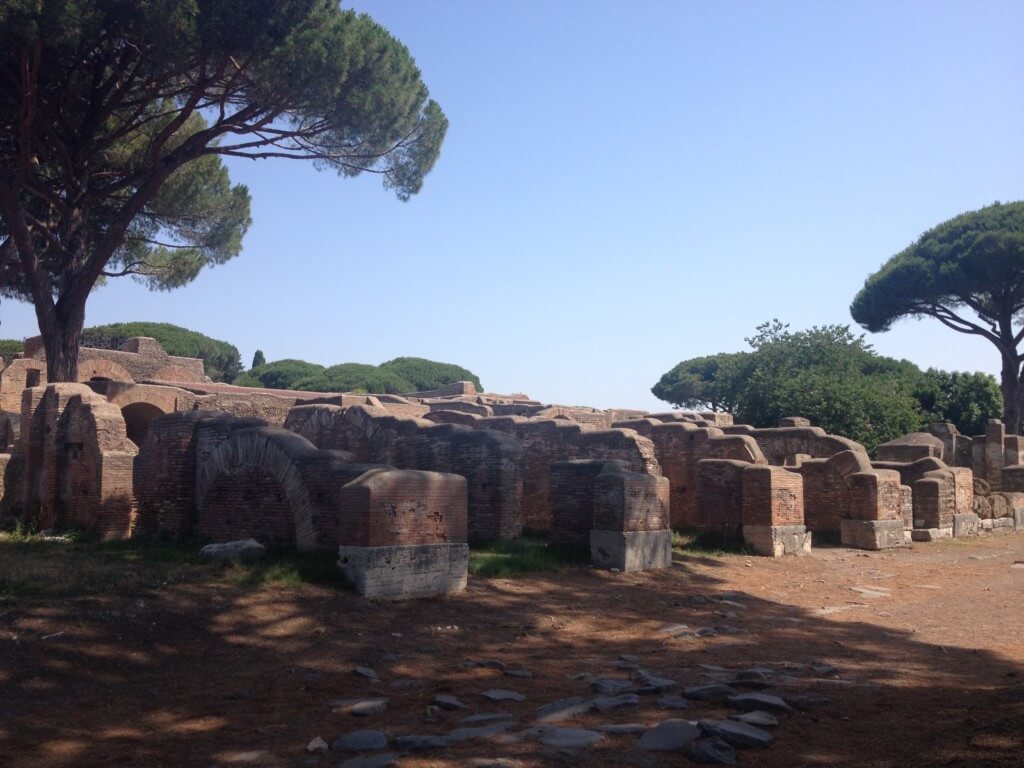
(630, 501)
(772, 496)
(779, 444)
(572, 501)
(719, 496)
(391, 507)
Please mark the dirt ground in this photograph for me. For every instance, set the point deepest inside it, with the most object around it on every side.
(929, 644)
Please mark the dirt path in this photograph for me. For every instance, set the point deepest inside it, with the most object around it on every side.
(929, 646)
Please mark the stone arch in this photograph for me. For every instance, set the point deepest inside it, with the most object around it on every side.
(98, 369)
(137, 417)
(275, 454)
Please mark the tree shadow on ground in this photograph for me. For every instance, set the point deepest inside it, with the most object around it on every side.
(213, 673)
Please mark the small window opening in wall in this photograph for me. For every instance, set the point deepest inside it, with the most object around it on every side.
(32, 377)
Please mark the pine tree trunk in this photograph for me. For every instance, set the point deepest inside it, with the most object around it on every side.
(61, 325)
(1010, 384)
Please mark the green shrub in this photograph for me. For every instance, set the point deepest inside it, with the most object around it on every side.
(11, 348)
(280, 374)
(425, 375)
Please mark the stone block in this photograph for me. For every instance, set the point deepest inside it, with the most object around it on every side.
(872, 534)
(931, 534)
(631, 550)
(1002, 525)
(966, 525)
(395, 573)
(777, 540)
(1018, 518)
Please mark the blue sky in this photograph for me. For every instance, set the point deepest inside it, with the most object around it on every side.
(624, 186)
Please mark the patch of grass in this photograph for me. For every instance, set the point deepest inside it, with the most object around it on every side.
(520, 556)
(707, 544)
(287, 569)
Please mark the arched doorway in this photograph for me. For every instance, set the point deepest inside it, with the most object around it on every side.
(137, 417)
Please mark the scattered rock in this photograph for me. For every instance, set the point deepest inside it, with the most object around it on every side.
(736, 733)
(825, 670)
(650, 683)
(449, 702)
(717, 692)
(673, 702)
(712, 751)
(493, 664)
(755, 673)
(407, 684)
(501, 694)
(751, 701)
(732, 604)
(420, 743)
(367, 672)
(669, 736)
(608, 703)
(360, 707)
(569, 738)
(698, 600)
(479, 732)
(371, 761)
(611, 685)
(621, 729)
(563, 709)
(485, 718)
(524, 673)
(244, 549)
(630, 658)
(317, 745)
(360, 741)
(757, 717)
(706, 632)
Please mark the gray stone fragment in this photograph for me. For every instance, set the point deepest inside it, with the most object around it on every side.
(649, 682)
(755, 673)
(361, 707)
(522, 673)
(317, 745)
(485, 718)
(966, 525)
(824, 670)
(479, 732)
(426, 570)
(360, 741)
(751, 701)
(669, 736)
(367, 673)
(420, 743)
(608, 703)
(449, 702)
(611, 685)
(757, 717)
(501, 694)
(698, 600)
(631, 550)
(736, 733)
(569, 738)
(712, 751)
(777, 540)
(243, 549)
(406, 684)
(630, 658)
(715, 692)
(621, 729)
(371, 761)
(563, 709)
(673, 702)
(872, 534)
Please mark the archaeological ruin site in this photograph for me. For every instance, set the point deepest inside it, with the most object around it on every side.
(400, 486)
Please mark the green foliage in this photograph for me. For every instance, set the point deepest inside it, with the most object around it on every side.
(975, 260)
(425, 375)
(280, 374)
(834, 378)
(221, 360)
(502, 559)
(703, 382)
(11, 348)
(355, 377)
(258, 359)
(967, 400)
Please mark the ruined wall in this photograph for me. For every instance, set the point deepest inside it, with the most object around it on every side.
(719, 496)
(782, 445)
(772, 496)
(845, 486)
(916, 445)
(489, 461)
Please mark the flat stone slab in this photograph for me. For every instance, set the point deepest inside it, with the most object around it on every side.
(404, 572)
(361, 707)
(621, 729)
(717, 692)
(872, 592)
(608, 703)
(669, 736)
(449, 702)
(243, 549)
(485, 718)
(753, 701)
(563, 709)
(648, 682)
(360, 741)
(611, 685)
(479, 732)
(673, 702)
(422, 743)
(712, 750)
(569, 738)
(736, 733)
(758, 717)
(371, 761)
(501, 694)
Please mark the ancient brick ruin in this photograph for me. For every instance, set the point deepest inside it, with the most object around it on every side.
(145, 445)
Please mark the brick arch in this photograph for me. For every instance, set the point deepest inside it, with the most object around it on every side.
(102, 369)
(176, 373)
(274, 455)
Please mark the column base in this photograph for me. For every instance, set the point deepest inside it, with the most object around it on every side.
(397, 573)
(872, 534)
(631, 550)
(777, 540)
